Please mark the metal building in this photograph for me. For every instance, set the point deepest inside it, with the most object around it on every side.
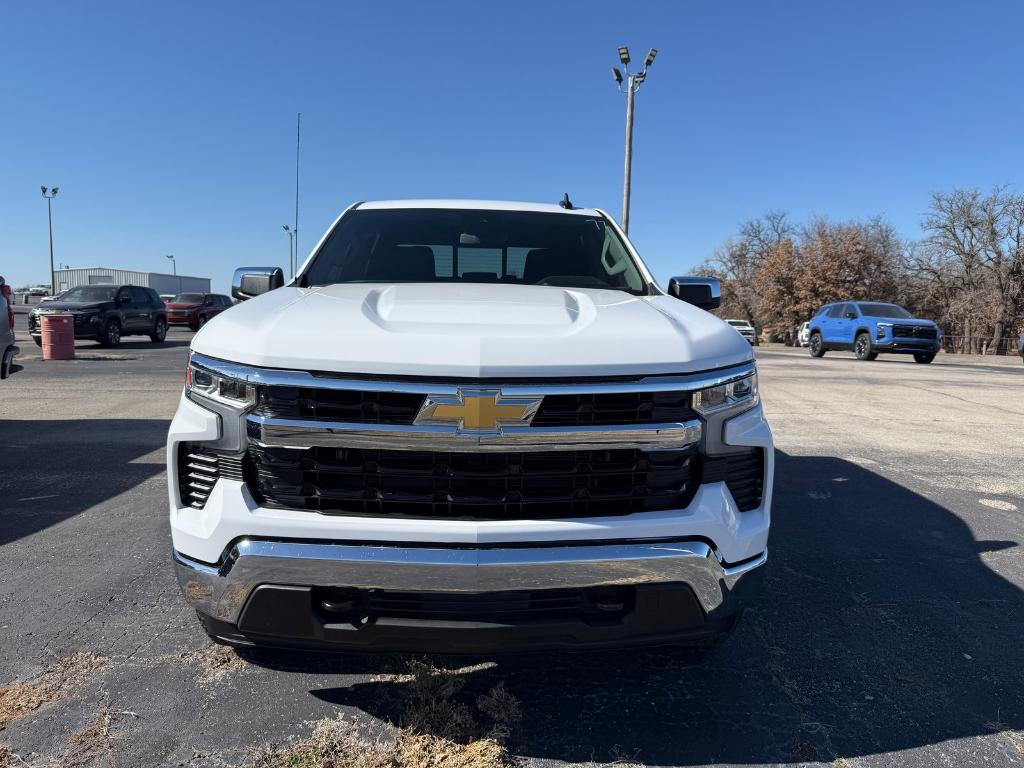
(159, 282)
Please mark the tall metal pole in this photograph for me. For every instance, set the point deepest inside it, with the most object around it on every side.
(53, 275)
(628, 171)
(295, 236)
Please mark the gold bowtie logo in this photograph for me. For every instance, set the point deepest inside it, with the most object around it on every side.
(477, 410)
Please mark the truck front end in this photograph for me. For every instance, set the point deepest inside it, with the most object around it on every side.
(375, 498)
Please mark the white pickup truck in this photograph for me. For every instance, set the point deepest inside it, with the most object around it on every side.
(469, 426)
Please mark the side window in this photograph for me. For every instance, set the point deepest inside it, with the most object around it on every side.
(836, 310)
(139, 296)
(123, 294)
(849, 309)
(154, 297)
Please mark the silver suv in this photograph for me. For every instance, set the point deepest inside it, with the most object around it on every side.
(8, 349)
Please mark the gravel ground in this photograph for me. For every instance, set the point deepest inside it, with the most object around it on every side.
(889, 633)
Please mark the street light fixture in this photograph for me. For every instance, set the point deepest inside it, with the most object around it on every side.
(174, 264)
(632, 86)
(291, 247)
(49, 214)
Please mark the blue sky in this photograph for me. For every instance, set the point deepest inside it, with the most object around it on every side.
(169, 127)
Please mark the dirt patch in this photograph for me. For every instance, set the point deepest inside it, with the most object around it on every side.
(438, 731)
(57, 681)
(88, 745)
(216, 662)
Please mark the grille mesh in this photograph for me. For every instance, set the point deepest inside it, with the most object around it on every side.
(199, 469)
(484, 486)
(363, 407)
(742, 473)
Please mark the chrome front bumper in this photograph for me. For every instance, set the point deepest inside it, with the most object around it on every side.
(221, 591)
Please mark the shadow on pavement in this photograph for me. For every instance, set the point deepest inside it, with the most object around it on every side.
(53, 470)
(880, 630)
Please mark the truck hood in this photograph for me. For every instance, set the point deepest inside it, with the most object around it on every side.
(470, 331)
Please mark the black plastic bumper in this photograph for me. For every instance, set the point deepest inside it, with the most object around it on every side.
(654, 614)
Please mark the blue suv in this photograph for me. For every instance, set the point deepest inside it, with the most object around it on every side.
(870, 327)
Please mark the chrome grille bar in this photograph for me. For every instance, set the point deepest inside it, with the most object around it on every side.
(288, 433)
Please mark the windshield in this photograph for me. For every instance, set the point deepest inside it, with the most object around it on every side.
(188, 298)
(738, 323)
(469, 246)
(90, 293)
(882, 310)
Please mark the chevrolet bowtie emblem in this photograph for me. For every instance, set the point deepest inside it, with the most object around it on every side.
(477, 411)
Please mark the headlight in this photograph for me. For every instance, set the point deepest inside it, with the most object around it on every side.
(737, 395)
(203, 384)
(882, 327)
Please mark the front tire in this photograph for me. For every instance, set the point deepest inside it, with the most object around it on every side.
(159, 331)
(111, 333)
(38, 340)
(924, 357)
(862, 347)
(816, 346)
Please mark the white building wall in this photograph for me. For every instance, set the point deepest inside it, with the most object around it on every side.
(161, 283)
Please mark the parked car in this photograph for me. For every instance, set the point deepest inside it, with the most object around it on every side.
(486, 429)
(804, 336)
(106, 313)
(8, 345)
(745, 329)
(194, 309)
(870, 327)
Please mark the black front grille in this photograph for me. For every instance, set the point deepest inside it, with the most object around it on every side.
(480, 486)
(614, 408)
(338, 405)
(742, 473)
(199, 469)
(913, 332)
(592, 604)
(366, 407)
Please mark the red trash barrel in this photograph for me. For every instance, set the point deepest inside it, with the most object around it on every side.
(58, 336)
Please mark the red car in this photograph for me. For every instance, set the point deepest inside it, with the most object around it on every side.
(194, 309)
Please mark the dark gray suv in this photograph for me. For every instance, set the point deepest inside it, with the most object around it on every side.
(105, 313)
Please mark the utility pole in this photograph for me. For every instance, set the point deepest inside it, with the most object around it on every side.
(633, 83)
(174, 263)
(49, 213)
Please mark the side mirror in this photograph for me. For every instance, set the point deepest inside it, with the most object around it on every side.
(253, 281)
(123, 299)
(703, 292)
(851, 315)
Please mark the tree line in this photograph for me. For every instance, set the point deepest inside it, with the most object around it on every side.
(966, 272)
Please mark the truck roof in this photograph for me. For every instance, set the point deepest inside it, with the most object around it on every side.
(482, 205)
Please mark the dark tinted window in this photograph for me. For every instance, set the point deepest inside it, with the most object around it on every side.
(469, 246)
(836, 310)
(878, 309)
(90, 293)
(188, 298)
(124, 293)
(139, 295)
(225, 301)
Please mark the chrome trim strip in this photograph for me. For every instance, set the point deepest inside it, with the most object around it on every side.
(289, 378)
(288, 433)
(222, 592)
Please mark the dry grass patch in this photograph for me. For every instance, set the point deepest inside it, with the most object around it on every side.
(216, 661)
(437, 731)
(55, 682)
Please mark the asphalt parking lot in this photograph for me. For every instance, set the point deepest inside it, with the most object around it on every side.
(889, 633)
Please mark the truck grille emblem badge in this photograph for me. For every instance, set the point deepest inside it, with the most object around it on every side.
(477, 411)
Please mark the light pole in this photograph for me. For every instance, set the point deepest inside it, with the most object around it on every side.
(174, 264)
(49, 213)
(633, 83)
(291, 247)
